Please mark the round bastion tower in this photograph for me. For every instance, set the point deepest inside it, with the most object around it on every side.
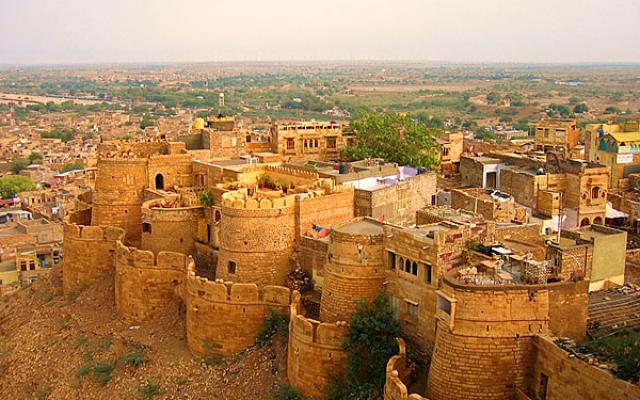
(256, 239)
(354, 270)
(118, 196)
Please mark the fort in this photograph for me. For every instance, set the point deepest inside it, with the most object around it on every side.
(478, 289)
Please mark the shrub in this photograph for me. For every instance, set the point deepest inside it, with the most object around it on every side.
(206, 198)
(102, 373)
(284, 391)
(624, 349)
(370, 342)
(274, 324)
(134, 359)
(149, 391)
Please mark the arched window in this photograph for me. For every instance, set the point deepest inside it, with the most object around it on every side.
(584, 222)
(407, 266)
(597, 220)
(414, 268)
(159, 182)
(595, 192)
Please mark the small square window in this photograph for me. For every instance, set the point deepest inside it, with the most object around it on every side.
(231, 267)
(412, 309)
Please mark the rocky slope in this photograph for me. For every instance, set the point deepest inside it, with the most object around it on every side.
(52, 347)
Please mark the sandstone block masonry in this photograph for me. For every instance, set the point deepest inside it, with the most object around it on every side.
(146, 284)
(355, 268)
(88, 251)
(256, 240)
(223, 319)
(493, 328)
(398, 369)
(315, 351)
(119, 194)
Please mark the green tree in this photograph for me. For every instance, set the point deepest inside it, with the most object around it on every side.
(147, 121)
(12, 185)
(35, 158)
(612, 110)
(18, 165)
(394, 137)
(73, 166)
(580, 108)
(493, 98)
(370, 342)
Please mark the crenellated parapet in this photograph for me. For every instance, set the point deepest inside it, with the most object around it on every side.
(493, 326)
(398, 370)
(256, 239)
(315, 350)
(88, 251)
(171, 223)
(224, 318)
(145, 283)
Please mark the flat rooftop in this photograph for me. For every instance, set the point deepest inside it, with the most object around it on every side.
(361, 227)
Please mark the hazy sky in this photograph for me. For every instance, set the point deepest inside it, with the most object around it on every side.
(71, 31)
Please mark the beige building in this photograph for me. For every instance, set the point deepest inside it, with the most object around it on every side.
(559, 135)
(314, 140)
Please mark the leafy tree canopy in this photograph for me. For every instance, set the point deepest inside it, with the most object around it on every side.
(369, 344)
(35, 158)
(394, 137)
(18, 165)
(72, 166)
(12, 185)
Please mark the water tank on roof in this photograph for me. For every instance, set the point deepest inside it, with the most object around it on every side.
(198, 123)
(343, 169)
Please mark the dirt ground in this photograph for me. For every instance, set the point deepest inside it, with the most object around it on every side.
(57, 348)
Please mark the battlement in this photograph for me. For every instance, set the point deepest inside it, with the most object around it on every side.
(239, 200)
(311, 331)
(397, 371)
(87, 232)
(165, 260)
(315, 350)
(237, 293)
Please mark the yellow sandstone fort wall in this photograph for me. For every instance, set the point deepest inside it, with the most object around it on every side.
(397, 372)
(354, 271)
(486, 340)
(170, 229)
(223, 319)
(146, 284)
(258, 238)
(88, 251)
(118, 196)
(325, 210)
(314, 352)
(569, 377)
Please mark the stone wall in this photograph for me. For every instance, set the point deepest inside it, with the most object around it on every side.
(485, 337)
(398, 370)
(224, 319)
(88, 251)
(569, 377)
(354, 271)
(146, 284)
(314, 352)
(175, 169)
(119, 194)
(170, 229)
(324, 210)
(256, 240)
